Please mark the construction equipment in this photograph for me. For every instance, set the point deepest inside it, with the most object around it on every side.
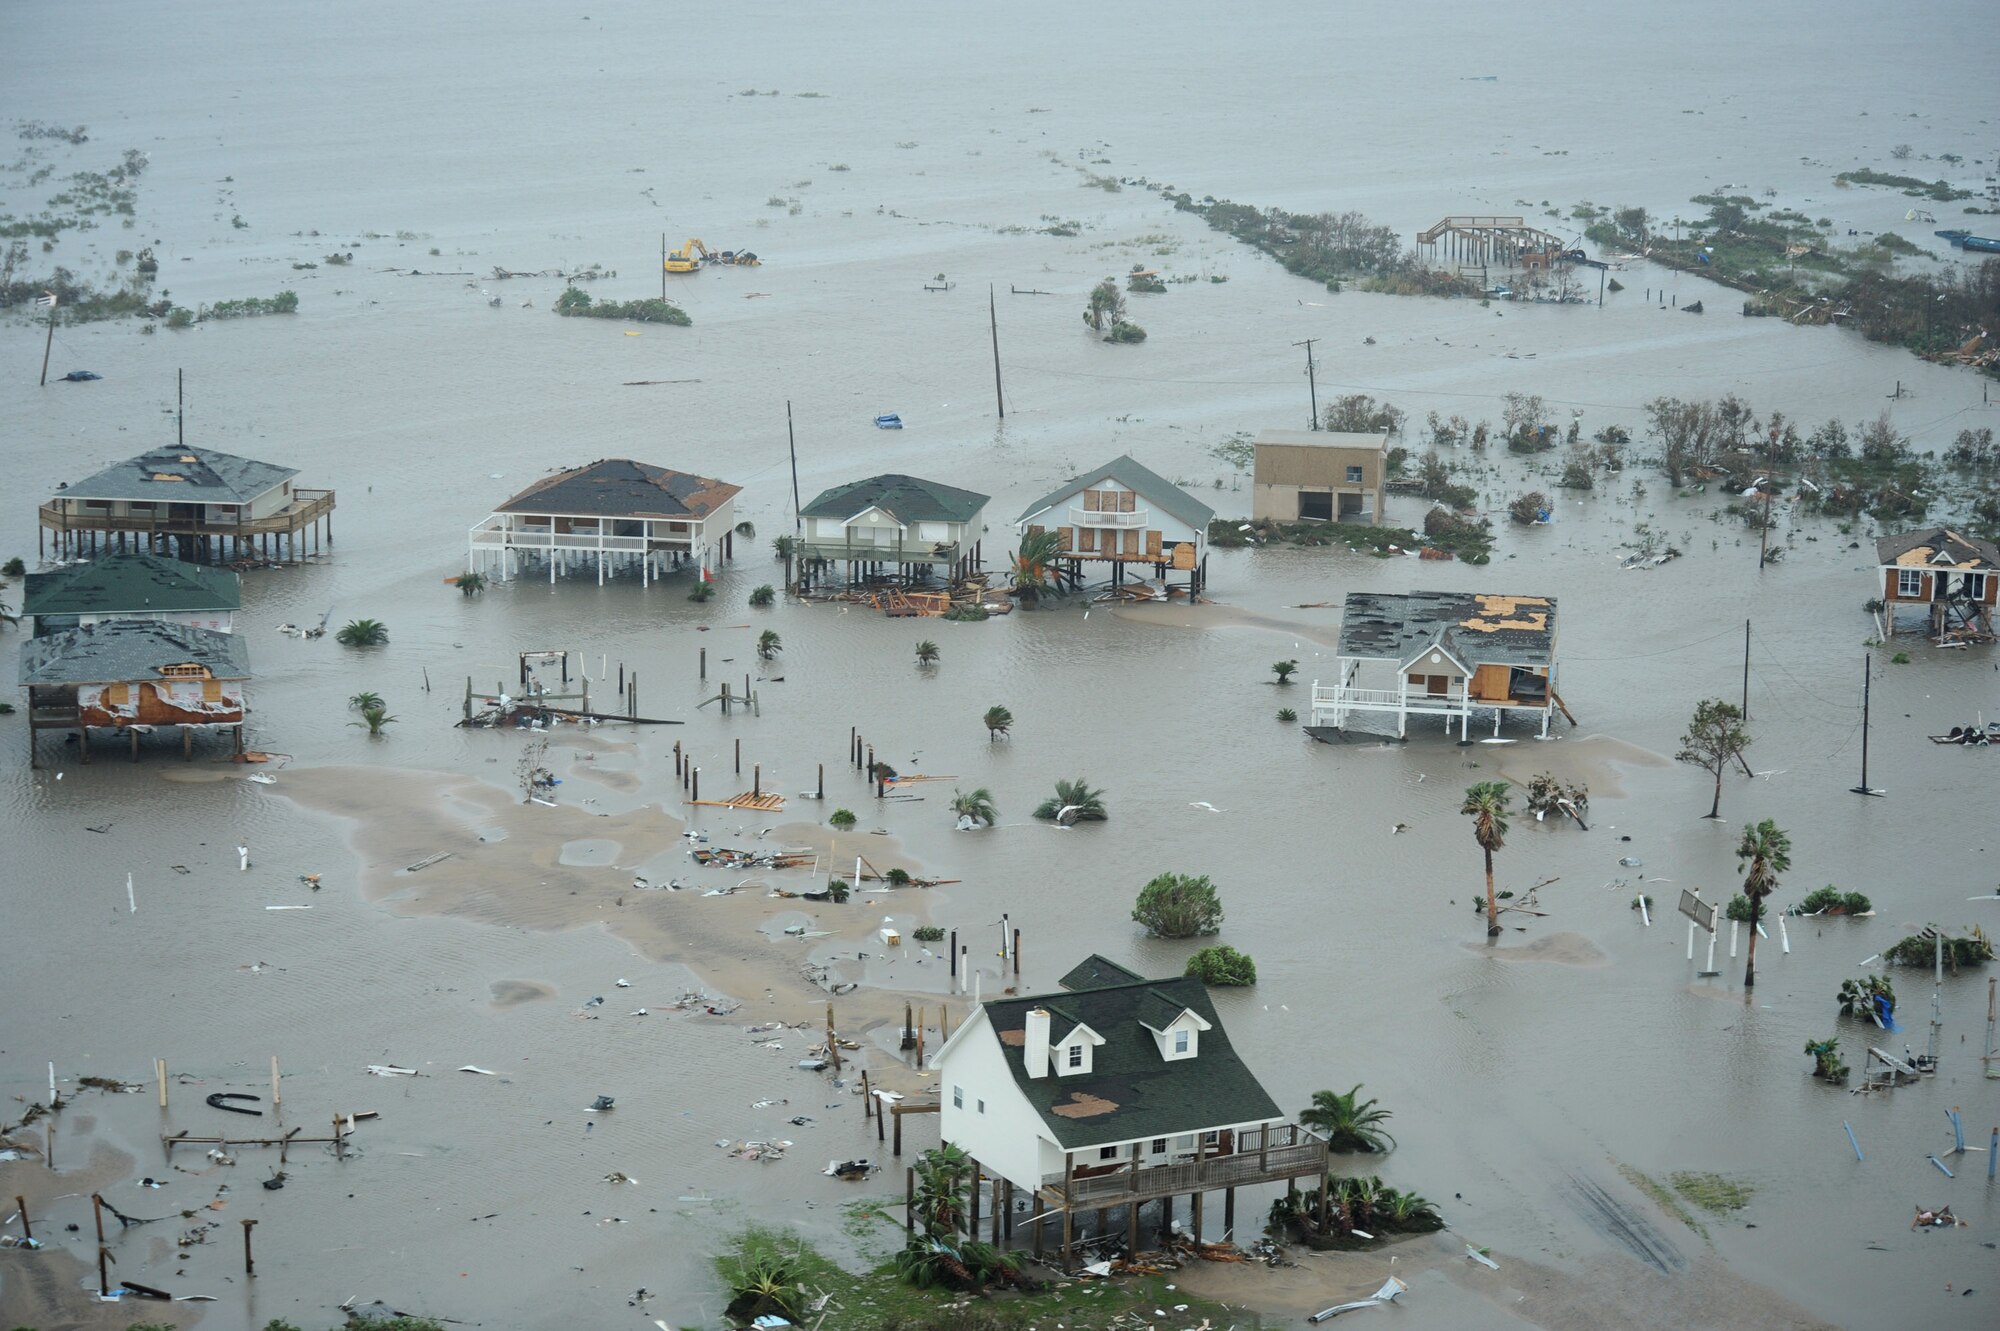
(694, 254)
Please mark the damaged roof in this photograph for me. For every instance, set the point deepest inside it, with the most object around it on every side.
(622, 488)
(1913, 549)
(1131, 1091)
(1475, 627)
(182, 475)
(130, 584)
(1094, 972)
(906, 498)
(127, 650)
(1156, 489)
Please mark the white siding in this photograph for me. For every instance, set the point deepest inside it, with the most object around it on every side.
(1008, 1138)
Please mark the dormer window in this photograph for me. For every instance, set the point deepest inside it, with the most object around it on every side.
(1181, 1041)
(1075, 1057)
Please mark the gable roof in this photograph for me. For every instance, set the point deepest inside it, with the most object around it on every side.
(1920, 549)
(908, 498)
(176, 474)
(130, 584)
(1095, 972)
(125, 650)
(1475, 627)
(1131, 1092)
(622, 488)
(1157, 489)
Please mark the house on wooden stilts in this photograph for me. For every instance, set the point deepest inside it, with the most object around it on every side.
(191, 503)
(1952, 577)
(135, 677)
(1452, 653)
(1127, 516)
(608, 517)
(892, 526)
(1116, 1094)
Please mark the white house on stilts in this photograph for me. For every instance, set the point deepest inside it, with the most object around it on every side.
(609, 517)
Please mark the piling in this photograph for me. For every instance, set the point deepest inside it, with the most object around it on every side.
(739, 757)
(103, 1277)
(909, 1197)
(866, 1098)
(249, 1261)
(695, 785)
(822, 781)
(1993, 1155)
(27, 1230)
(160, 1071)
(756, 779)
(339, 1140)
(277, 1096)
(1017, 952)
(725, 697)
(954, 976)
(704, 663)
(677, 757)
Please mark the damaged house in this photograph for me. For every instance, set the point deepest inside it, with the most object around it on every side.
(135, 676)
(132, 586)
(1117, 1091)
(1954, 579)
(606, 517)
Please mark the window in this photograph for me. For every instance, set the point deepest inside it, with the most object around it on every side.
(1180, 1042)
(1975, 586)
(1354, 475)
(1910, 582)
(1159, 1146)
(1107, 1153)
(982, 1106)
(958, 1097)
(1076, 1056)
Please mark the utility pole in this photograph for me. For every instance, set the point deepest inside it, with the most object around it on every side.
(48, 299)
(1746, 670)
(993, 320)
(798, 521)
(180, 408)
(1312, 384)
(1866, 679)
(663, 265)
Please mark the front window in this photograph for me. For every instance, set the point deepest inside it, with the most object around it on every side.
(1180, 1042)
(1107, 1153)
(1354, 475)
(1975, 586)
(958, 1097)
(1909, 582)
(1159, 1146)
(1076, 1055)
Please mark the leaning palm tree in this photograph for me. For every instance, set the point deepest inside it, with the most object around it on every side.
(1073, 802)
(471, 584)
(1034, 562)
(7, 615)
(362, 633)
(1768, 852)
(1486, 804)
(998, 722)
(975, 804)
(361, 702)
(1348, 1122)
(768, 645)
(374, 718)
(927, 653)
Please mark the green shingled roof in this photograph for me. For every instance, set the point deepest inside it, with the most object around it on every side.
(908, 498)
(1095, 971)
(1156, 489)
(1131, 1092)
(130, 584)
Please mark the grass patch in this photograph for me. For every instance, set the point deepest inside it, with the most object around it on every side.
(1712, 1192)
(875, 1300)
(1662, 1198)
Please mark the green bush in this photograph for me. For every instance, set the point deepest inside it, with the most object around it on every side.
(841, 818)
(1222, 965)
(763, 596)
(1830, 900)
(1179, 906)
(928, 933)
(1125, 332)
(576, 303)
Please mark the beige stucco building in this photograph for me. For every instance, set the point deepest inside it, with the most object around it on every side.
(1318, 475)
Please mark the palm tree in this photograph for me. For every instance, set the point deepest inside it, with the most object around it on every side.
(361, 702)
(362, 633)
(927, 653)
(1033, 561)
(1768, 852)
(1283, 670)
(977, 805)
(1348, 1122)
(471, 584)
(7, 615)
(768, 644)
(940, 1191)
(374, 718)
(1486, 804)
(998, 722)
(1073, 802)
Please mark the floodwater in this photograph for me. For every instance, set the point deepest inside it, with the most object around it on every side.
(532, 137)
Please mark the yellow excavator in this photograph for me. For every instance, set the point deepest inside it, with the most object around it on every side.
(694, 254)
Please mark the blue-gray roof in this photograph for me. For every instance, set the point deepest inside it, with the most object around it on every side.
(182, 475)
(127, 650)
(1477, 628)
(907, 498)
(1157, 489)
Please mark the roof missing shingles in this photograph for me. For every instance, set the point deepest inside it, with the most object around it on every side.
(1082, 1104)
(1937, 546)
(1017, 1038)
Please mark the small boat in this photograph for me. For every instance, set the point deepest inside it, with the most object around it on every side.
(849, 1170)
(888, 420)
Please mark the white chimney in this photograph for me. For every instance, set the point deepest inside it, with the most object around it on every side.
(1035, 1042)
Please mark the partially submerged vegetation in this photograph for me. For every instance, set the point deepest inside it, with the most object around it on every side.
(1330, 248)
(575, 303)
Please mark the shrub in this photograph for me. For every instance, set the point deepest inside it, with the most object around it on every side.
(1125, 332)
(928, 933)
(13, 568)
(1830, 900)
(763, 596)
(1917, 950)
(841, 818)
(1222, 965)
(362, 633)
(1858, 997)
(1738, 909)
(1288, 714)
(701, 591)
(1179, 906)
(1827, 1062)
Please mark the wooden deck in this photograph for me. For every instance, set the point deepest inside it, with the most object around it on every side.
(1302, 1155)
(307, 507)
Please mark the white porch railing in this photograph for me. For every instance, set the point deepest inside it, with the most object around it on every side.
(1083, 517)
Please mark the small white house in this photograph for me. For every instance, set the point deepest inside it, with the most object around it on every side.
(608, 515)
(1117, 1091)
(1125, 515)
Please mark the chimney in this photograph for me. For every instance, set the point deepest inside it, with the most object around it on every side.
(1035, 1042)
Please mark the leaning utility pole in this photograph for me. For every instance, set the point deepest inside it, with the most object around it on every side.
(48, 298)
(1312, 384)
(993, 319)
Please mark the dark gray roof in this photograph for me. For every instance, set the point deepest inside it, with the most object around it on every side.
(622, 488)
(907, 498)
(175, 474)
(1131, 1092)
(1475, 627)
(126, 650)
(130, 584)
(1157, 489)
(1960, 551)
(1094, 972)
